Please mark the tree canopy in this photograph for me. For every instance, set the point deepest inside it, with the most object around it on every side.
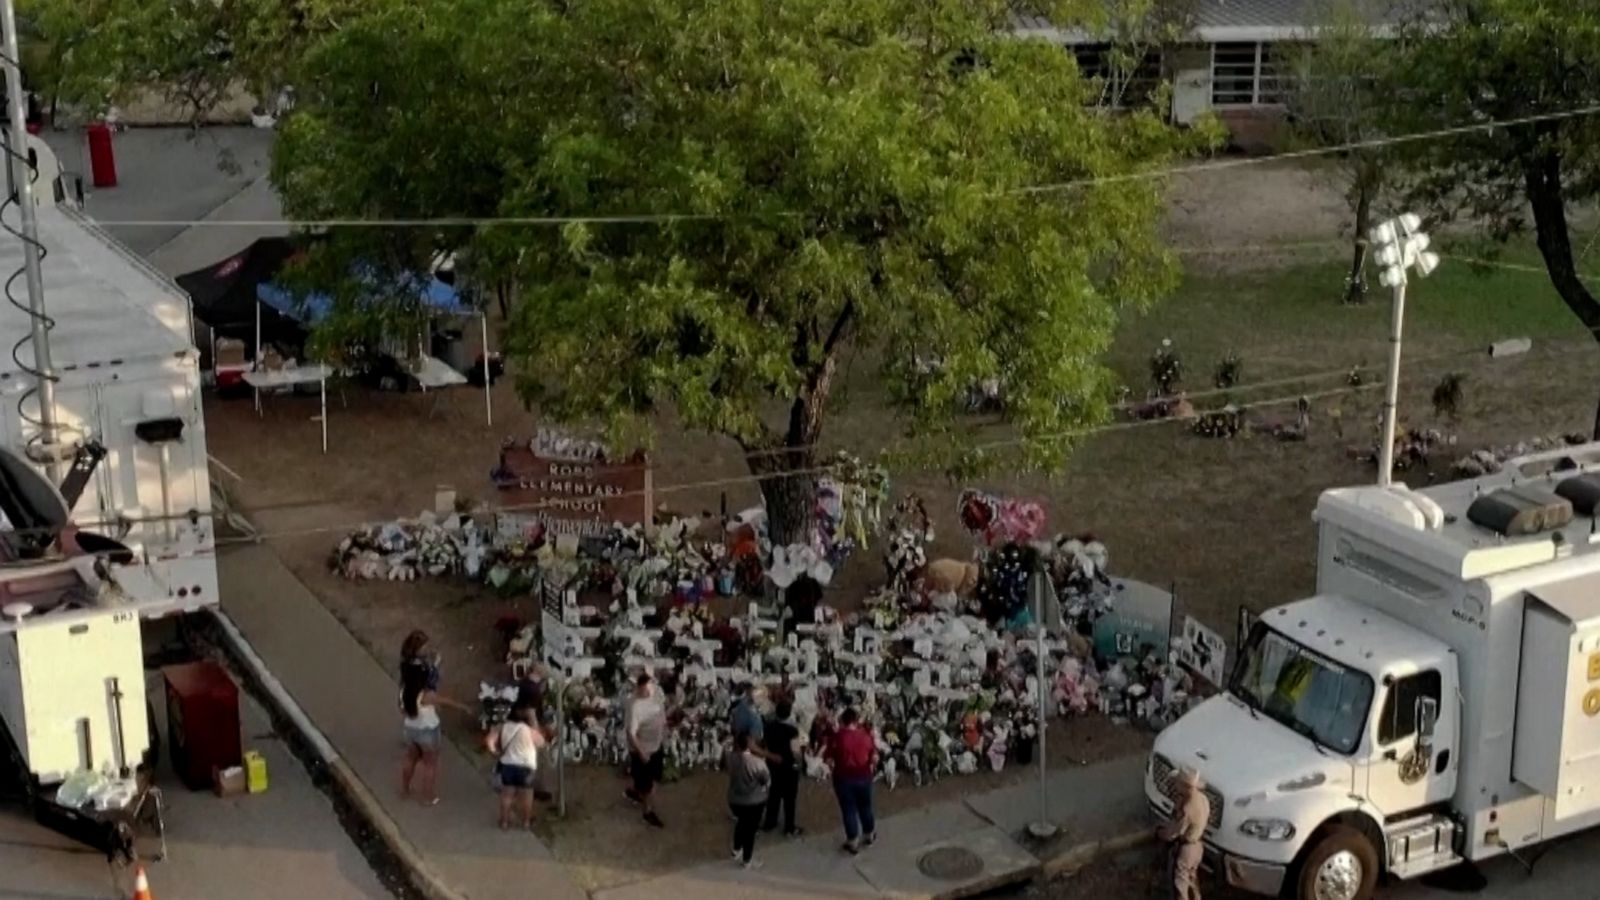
(92, 54)
(1339, 95)
(1475, 61)
(748, 191)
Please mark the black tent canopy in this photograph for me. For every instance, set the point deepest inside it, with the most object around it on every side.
(224, 293)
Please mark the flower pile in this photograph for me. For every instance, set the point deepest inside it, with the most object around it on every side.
(403, 550)
(948, 691)
(1489, 460)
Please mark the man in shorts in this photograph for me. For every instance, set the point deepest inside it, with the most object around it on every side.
(646, 726)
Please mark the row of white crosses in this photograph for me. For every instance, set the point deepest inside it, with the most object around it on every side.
(566, 640)
(640, 655)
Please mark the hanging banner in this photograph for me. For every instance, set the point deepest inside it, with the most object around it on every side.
(1138, 623)
(1204, 652)
(559, 641)
(569, 487)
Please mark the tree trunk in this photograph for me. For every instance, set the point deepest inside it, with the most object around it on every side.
(791, 499)
(1546, 195)
(1356, 284)
(502, 293)
(786, 466)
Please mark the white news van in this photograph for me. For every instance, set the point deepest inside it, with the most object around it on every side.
(123, 534)
(1437, 701)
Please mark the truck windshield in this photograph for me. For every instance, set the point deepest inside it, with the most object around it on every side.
(1303, 690)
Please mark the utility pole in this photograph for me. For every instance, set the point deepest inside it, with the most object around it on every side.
(22, 181)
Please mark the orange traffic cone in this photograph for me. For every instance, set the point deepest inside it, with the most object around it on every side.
(141, 885)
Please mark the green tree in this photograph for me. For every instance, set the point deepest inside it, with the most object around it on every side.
(1338, 96)
(853, 177)
(1472, 61)
(91, 54)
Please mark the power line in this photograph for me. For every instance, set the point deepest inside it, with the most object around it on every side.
(669, 218)
(681, 487)
(1178, 396)
(1372, 144)
(1019, 441)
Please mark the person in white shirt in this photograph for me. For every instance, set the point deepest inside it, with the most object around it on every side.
(516, 743)
(646, 728)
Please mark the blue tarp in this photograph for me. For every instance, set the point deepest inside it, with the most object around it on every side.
(313, 308)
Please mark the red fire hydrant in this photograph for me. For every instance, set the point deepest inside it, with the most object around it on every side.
(102, 161)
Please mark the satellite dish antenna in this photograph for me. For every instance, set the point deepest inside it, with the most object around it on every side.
(32, 505)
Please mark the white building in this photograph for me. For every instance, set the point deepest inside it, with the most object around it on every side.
(1234, 62)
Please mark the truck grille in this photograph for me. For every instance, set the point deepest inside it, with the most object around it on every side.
(1162, 771)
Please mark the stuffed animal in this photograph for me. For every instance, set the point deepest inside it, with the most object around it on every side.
(950, 576)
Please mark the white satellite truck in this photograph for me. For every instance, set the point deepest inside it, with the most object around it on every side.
(1436, 702)
(121, 534)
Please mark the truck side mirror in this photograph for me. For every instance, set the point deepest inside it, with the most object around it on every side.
(1427, 718)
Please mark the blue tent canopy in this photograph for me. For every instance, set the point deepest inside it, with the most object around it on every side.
(313, 308)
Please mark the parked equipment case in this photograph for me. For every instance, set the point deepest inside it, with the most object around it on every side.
(202, 721)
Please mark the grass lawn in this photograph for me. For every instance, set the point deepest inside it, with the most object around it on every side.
(1290, 321)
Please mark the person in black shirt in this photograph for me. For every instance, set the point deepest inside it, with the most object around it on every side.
(779, 738)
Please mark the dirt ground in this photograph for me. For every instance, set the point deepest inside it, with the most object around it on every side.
(1226, 522)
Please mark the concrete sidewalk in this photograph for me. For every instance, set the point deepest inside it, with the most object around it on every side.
(351, 700)
(349, 697)
(1096, 807)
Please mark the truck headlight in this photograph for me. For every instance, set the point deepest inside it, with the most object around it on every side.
(1267, 829)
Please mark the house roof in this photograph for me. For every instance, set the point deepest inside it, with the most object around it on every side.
(1223, 21)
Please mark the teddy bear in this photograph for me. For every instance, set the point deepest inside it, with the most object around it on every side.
(950, 576)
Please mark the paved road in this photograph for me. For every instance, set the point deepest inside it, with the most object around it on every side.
(1569, 870)
(286, 843)
(166, 175)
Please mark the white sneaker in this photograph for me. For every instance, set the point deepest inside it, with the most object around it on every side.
(753, 864)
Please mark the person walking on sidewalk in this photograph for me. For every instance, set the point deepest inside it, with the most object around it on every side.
(419, 703)
(1183, 834)
(748, 785)
(853, 755)
(516, 743)
(645, 723)
(780, 739)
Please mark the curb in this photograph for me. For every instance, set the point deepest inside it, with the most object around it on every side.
(1070, 860)
(420, 873)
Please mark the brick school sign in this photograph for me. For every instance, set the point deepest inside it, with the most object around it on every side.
(569, 487)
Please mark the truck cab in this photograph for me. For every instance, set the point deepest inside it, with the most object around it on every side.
(1333, 730)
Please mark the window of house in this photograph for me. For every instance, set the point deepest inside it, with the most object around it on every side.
(1399, 717)
(1250, 74)
(1274, 73)
(1126, 83)
(1094, 60)
(1233, 74)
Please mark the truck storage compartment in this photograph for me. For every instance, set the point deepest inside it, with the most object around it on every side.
(1556, 749)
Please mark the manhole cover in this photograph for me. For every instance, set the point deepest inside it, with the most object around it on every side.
(950, 864)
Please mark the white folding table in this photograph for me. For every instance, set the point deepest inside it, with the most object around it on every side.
(289, 377)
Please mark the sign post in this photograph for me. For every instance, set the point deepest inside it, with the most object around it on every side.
(1043, 596)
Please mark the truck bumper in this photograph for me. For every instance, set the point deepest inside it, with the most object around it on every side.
(1235, 871)
(1248, 874)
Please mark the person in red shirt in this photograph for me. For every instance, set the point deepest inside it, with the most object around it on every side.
(853, 756)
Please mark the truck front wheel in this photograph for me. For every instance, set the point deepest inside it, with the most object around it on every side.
(1343, 865)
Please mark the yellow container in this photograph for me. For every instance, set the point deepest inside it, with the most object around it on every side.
(255, 771)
